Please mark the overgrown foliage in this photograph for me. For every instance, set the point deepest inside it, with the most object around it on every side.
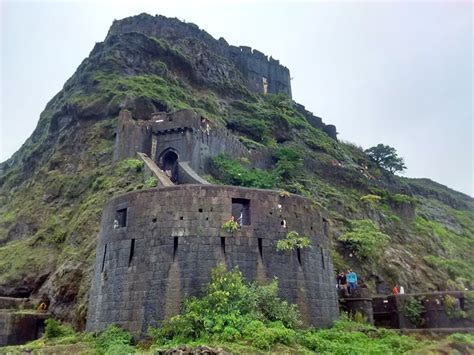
(293, 241)
(54, 329)
(365, 240)
(233, 172)
(413, 309)
(229, 310)
(114, 340)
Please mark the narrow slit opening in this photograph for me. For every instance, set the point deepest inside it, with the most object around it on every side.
(298, 253)
(175, 247)
(103, 258)
(132, 251)
(223, 245)
(260, 249)
(322, 258)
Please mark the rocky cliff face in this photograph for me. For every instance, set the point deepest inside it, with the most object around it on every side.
(53, 189)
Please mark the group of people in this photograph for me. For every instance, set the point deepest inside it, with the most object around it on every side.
(347, 281)
(398, 290)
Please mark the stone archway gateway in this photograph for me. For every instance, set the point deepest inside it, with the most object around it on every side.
(168, 162)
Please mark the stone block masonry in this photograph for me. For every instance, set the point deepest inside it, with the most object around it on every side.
(173, 237)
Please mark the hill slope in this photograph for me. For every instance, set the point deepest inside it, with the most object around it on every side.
(53, 189)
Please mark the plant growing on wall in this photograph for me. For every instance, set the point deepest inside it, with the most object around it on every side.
(231, 225)
(293, 241)
(452, 307)
(413, 309)
(151, 182)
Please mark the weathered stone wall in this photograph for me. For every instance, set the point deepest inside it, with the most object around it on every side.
(389, 311)
(132, 136)
(184, 133)
(19, 328)
(252, 64)
(173, 238)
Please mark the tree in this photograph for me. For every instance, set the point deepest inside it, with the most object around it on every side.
(386, 157)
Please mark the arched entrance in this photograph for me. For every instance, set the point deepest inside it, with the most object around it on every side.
(169, 164)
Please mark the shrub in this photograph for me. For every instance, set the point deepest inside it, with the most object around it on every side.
(232, 172)
(231, 310)
(230, 226)
(402, 199)
(54, 329)
(289, 163)
(133, 165)
(267, 305)
(151, 182)
(365, 240)
(413, 309)
(293, 241)
(113, 339)
(452, 307)
(371, 200)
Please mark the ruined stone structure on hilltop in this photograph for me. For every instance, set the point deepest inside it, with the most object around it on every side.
(158, 246)
(261, 74)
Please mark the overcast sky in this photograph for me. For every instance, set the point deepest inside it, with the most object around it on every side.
(398, 73)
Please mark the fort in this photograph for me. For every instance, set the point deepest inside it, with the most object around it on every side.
(260, 73)
(158, 246)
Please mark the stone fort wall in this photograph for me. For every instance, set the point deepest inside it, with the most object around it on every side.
(171, 238)
(184, 133)
(252, 64)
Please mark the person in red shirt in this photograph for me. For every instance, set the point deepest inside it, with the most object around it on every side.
(395, 290)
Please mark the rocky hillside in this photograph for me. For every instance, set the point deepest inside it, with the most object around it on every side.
(413, 231)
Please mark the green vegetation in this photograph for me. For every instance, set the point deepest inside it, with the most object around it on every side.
(371, 200)
(113, 340)
(386, 157)
(242, 318)
(455, 260)
(452, 307)
(293, 241)
(55, 329)
(151, 182)
(53, 189)
(402, 199)
(413, 309)
(232, 310)
(365, 240)
(230, 226)
(232, 172)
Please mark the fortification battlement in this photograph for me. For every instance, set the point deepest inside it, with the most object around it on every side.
(158, 246)
(261, 73)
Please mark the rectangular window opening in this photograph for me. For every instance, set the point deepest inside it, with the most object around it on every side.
(175, 247)
(132, 251)
(322, 258)
(103, 258)
(260, 249)
(241, 211)
(120, 218)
